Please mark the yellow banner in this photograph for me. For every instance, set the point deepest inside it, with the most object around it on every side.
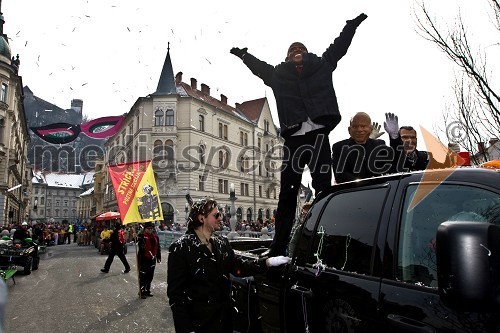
(136, 192)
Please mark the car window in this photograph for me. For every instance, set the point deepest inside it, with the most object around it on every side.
(417, 238)
(345, 236)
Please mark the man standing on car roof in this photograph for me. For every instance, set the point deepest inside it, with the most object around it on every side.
(308, 111)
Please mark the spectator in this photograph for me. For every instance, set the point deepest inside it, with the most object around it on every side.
(21, 233)
(117, 243)
(308, 112)
(360, 156)
(403, 140)
(149, 255)
(198, 275)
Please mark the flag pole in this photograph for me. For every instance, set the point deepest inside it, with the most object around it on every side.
(137, 263)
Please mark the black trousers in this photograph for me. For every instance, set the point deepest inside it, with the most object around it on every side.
(116, 252)
(312, 149)
(146, 273)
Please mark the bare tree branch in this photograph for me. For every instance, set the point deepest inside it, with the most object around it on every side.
(476, 100)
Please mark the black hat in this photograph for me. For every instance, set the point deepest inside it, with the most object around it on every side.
(148, 225)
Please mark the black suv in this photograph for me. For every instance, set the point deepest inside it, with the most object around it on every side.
(417, 252)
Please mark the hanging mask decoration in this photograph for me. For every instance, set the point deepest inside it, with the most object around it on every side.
(60, 133)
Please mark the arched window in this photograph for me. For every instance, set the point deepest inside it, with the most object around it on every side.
(2, 126)
(201, 155)
(221, 159)
(249, 215)
(239, 213)
(201, 119)
(169, 151)
(168, 213)
(159, 117)
(169, 121)
(268, 213)
(260, 213)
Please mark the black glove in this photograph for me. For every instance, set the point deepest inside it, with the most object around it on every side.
(357, 21)
(240, 53)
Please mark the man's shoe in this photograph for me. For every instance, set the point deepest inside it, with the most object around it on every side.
(148, 294)
(104, 270)
(126, 271)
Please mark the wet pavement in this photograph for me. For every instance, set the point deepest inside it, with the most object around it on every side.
(68, 293)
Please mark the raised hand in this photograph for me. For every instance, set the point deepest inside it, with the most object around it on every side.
(391, 125)
(375, 134)
(240, 53)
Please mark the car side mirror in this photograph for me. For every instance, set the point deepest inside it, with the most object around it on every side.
(468, 265)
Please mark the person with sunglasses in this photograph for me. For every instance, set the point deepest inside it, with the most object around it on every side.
(198, 274)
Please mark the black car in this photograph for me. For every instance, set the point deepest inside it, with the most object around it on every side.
(416, 252)
(19, 254)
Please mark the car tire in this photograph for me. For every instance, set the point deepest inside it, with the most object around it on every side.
(36, 263)
(27, 266)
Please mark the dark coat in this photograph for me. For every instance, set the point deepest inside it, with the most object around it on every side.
(309, 94)
(199, 286)
(351, 161)
(420, 161)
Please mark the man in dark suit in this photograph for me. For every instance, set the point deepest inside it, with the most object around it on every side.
(360, 156)
(403, 141)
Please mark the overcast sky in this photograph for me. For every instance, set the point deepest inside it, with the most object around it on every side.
(110, 52)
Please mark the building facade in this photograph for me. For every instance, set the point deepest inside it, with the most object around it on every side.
(200, 145)
(15, 174)
(57, 197)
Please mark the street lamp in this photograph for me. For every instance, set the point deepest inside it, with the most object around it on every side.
(232, 221)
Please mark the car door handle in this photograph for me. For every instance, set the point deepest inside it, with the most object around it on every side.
(302, 291)
(409, 325)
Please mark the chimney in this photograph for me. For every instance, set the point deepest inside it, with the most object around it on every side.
(77, 105)
(205, 89)
(237, 105)
(493, 141)
(193, 83)
(223, 98)
(178, 78)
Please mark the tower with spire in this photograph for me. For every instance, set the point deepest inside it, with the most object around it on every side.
(199, 145)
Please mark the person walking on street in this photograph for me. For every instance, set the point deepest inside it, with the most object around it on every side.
(308, 111)
(149, 255)
(116, 249)
(198, 275)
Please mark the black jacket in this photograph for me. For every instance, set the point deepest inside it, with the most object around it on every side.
(309, 94)
(351, 161)
(199, 286)
(421, 160)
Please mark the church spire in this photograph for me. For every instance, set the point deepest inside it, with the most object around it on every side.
(166, 84)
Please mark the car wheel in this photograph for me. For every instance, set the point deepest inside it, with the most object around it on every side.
(27, 266)
(36, 263)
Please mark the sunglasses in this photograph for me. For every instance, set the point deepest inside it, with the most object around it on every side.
(217, 215)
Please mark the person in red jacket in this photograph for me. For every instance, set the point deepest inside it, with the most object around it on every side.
(149, 255)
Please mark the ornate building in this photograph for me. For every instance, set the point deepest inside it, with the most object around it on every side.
(200, 145)
(15, 174)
